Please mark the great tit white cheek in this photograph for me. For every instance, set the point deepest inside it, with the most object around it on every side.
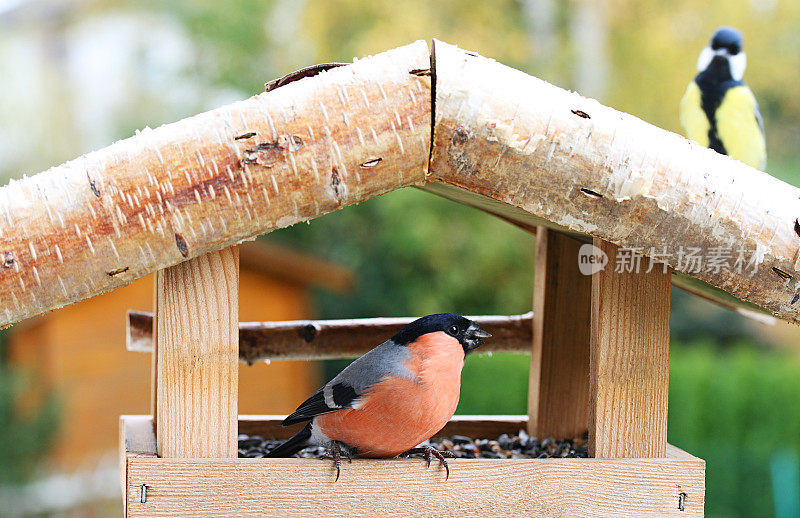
(706, 55)
(738, 63)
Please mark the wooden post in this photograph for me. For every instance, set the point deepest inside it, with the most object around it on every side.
(629, 360)
(558, 393)
(154, 356)
(197, 349)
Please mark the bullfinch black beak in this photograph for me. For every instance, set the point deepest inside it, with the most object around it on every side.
(474, 337)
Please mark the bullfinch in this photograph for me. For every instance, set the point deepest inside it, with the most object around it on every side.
(718, 110)
(391, 399)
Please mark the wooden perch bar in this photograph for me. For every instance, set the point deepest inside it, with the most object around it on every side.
(327, 339)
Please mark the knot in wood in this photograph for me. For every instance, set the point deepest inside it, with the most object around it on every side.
(268, 153)
(460, 136)
(8, 259)
(308, 332)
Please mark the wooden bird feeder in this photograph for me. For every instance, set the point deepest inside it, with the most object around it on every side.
(177, 200)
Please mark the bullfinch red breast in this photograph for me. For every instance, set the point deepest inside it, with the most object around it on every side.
(393, 398)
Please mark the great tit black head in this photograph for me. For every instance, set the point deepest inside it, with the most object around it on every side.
(724, 53)
(727, 38)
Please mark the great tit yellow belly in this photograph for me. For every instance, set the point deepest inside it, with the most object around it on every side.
(718, 110)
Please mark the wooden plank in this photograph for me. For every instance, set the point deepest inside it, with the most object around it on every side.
(157, 278)
(139, 431)
(673, 452)
(530, 223)
(198, 308)
(721, 297)
(136, 438)
(326, 339)
(558, 390)
(123, 465)
(629, 371)
(475, 426)
(404, 487)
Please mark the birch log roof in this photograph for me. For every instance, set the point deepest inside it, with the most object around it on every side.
(502, 141)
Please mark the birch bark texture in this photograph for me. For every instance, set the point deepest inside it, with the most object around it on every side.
(534, 153)
(330, 339)
(213, 180)
(503, 141)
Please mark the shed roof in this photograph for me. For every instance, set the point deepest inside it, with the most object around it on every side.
(294, 266)
(455, 123)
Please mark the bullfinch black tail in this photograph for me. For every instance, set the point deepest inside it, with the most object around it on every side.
(296, 443)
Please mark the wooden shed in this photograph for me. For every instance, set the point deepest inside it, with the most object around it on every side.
(601, 189)
(76, 350)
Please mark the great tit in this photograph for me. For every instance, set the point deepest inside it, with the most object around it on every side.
(718, 110)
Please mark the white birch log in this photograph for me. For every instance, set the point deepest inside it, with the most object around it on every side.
(537, 154)
(505, 142)
(207, 182)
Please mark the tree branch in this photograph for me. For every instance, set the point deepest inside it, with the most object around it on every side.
(327, 339)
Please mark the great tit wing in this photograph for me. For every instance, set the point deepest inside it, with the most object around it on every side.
(757, 113)
(763, 155)
(346, 389)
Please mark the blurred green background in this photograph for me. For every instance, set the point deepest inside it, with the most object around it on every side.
(77, 75)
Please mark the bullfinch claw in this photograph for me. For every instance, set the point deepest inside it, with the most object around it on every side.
(335, 453)
(430, 452)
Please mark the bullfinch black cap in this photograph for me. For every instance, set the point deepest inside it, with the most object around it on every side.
(467, 332)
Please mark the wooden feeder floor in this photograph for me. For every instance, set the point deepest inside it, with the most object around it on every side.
(641, 487)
